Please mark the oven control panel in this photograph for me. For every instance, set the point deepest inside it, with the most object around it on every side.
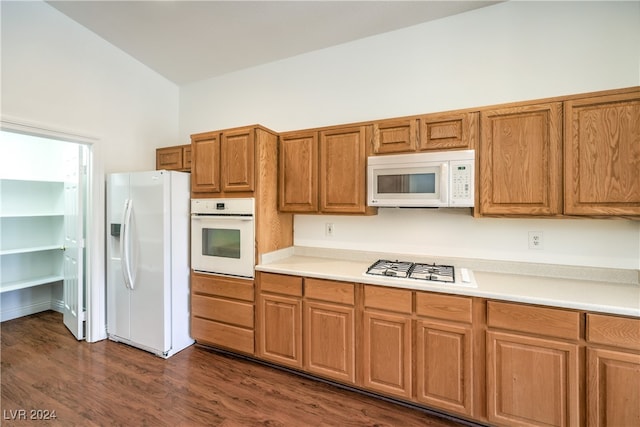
(239, 206)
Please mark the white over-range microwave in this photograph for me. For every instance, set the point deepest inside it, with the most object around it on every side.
(433, 179)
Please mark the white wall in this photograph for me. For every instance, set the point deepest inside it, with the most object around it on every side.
(58, 74)
(508, 52)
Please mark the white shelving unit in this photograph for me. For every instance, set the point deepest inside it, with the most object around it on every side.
(31, 233)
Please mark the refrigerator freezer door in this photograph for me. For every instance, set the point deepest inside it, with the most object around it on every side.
(118, 303)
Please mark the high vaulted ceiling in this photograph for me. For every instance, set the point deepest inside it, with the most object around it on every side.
(187, 41)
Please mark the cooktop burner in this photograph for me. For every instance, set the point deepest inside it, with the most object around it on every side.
(411, 270)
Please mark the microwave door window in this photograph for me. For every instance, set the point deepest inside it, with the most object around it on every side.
(420, 183)
(221, 242)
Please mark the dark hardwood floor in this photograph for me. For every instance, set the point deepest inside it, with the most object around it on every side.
(45, 371)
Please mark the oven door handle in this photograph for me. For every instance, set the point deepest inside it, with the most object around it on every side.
(223, 217)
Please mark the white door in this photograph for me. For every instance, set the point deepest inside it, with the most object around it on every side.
(73, 310)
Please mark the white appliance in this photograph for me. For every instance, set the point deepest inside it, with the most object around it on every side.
(148, 260)
(223, 236)
(434, 179)
(416, 273)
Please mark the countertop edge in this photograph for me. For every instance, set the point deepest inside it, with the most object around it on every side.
(552, 291)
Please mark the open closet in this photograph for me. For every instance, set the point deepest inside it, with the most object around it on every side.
(42, 223)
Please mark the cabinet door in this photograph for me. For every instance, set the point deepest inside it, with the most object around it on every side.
(395, 136)
(205, 170)
(387, 353)
(343, 168)
(238, 160)
(444, 366)
(169, 158)
(280, 326)
(602, 155)
(456, 131)
(329, 340)
(186, 157)
(613, 388)
(521, 160)
(298, 172)
(531, 381)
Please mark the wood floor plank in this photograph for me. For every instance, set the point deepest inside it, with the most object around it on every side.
(42, 367)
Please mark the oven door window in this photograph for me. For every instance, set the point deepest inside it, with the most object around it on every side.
(221, 242)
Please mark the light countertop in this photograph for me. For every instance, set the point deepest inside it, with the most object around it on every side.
(613, 291)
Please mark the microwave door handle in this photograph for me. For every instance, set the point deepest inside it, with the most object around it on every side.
(444, 184)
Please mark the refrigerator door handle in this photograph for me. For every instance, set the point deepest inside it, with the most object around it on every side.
(125, 244)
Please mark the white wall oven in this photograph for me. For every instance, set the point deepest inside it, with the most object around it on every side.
(223, 236)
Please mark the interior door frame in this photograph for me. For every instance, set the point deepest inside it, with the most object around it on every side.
(95, 316)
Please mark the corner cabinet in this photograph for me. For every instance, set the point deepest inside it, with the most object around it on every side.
(174, 158)
(32, 237)
(520, 160)
(602, 155)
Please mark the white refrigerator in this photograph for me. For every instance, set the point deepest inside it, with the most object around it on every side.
(148, 260)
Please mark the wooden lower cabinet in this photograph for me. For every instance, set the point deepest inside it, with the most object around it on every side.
(613, 373)
(387, 353)
(329, 329)
(613, 388)
(444, 366)
(495, 362)
(387, 341)
(328, 341)
(533, 366)
(280, 319)
(222, 312)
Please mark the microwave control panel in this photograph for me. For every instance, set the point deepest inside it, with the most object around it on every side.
(462, 183)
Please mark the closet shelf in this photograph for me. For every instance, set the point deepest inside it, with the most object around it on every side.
(31, 249)
(34, 281)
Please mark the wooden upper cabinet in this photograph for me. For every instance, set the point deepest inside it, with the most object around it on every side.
(395, 136)
(238, 160)
(602, 155)
(457, 131)
(224, 161)
(343, 169)
(298, 172)
(520, 159)
(186, 157)
(205, 170)
(174, 158)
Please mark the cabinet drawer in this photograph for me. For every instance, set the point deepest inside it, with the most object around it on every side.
(328, 290)
(444, 307)
(611, 330)
(222, 286)
(384, 298)
(281, 284)
(209, 332)
(222, 310)
(551, 322)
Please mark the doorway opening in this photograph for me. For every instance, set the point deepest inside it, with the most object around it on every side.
(44, 194)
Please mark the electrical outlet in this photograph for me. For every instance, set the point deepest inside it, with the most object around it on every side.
(328, 229)
(535, 240)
